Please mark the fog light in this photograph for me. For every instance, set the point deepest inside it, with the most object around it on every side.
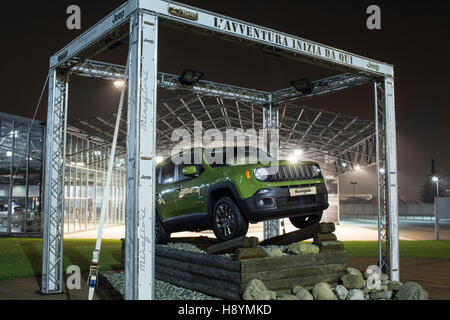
(261, 203)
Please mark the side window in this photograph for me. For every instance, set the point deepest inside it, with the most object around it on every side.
(168, 173)
(183, 165)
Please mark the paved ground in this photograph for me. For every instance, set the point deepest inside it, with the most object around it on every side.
(27, 289)
(349, 230)
(433, 275)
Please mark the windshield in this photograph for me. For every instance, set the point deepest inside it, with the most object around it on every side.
(236, 156)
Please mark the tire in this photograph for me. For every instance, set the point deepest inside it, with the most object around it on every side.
(228, 222)
(161, 235)
(308, 221)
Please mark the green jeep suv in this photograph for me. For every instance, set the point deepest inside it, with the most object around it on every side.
(206, 190)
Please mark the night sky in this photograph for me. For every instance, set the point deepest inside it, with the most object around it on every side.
(414, 38)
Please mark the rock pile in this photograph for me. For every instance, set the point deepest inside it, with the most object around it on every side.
(354, 286)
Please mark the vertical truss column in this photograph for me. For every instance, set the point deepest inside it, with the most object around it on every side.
(140, 207)
(55, 154)
(271, 127)
(386, 146)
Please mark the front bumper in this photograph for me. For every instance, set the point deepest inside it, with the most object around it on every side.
(278, 204)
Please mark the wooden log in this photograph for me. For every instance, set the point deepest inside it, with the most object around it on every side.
(319, 237)
(206, 271)
(300, 235)
(198, 258)
(284, 284)
(296, 272)
(222, 293)
(257, 265)
(249, 253)
(191, 279)
(232, 245)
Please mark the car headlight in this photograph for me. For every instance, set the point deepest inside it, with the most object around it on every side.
(261, 174)
(316, 171)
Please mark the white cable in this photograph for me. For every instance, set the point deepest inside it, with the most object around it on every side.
(31, 125)
(93, 277)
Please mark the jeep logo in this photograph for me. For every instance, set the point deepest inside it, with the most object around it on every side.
(373, 66)
(146, 178)
(62, 56)
(119, 16)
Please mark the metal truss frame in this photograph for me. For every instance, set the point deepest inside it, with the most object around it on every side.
(52, 267)
(141, 19)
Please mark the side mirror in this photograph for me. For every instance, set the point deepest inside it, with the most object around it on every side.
(190, 171)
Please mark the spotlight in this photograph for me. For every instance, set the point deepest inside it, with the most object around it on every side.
(435, 179)
(159, 160)
(382, 171)
(190, 77)
(303, 85)
(358, 168)
(298, 152)
(119, 84)
(344, 165)
(293, 159)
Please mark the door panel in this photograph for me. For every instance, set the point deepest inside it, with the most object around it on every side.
(167, 191)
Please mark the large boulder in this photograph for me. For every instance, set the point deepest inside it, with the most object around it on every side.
(256, 290)
(303, 248)
(352, 281)
(323, 291)
(273, 252)
(354, 271)
(355, 294)
(302, 293)
(395, 286)
(341, 292)
(369, 272)
(410, 291)
(381, 295)
(287, 297)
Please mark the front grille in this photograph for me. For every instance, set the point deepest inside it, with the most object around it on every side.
(293, 172)
(300, 201)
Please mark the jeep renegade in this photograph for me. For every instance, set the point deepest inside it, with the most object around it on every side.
(226, 196)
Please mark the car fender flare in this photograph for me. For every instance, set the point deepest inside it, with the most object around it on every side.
(231, 187)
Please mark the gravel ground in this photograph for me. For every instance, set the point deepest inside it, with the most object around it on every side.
(163, 290)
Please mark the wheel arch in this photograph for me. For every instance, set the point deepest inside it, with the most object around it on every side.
(220, 190)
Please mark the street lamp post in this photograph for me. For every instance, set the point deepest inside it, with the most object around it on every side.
(436, 218)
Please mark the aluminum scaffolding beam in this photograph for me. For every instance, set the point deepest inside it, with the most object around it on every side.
(141, 155)
(271, 126)
(52, 257)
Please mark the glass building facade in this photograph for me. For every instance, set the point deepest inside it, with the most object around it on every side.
(86, 169)
(22, 154)
(21, 168)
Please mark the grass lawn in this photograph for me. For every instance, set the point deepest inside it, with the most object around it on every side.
(22, 258)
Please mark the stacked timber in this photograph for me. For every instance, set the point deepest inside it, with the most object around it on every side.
(217, 276)
(284, 273)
